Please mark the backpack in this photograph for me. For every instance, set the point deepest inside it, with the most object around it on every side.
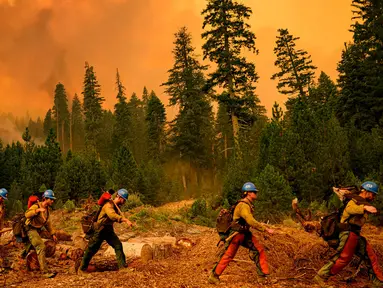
(18, 227)
(225, 219)
(330, 224)
(88, 220)
(32, 200)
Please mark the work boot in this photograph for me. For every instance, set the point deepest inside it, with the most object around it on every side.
(49, 274)
(213, 278)
(83, 273)
(266, 279)
(125, 269)
(321, 282)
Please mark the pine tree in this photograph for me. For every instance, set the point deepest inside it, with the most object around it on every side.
(27, 169)
(360, 70)
(125, 170)
(48, 123)
(156, 119)
(106, 135)
(80, 177)
(137, 133)
(277, 112)
(192, 128)
(226, 35)
(275, 200)
(296, 69)
(13, 157)
(323, 96)
(92, 108)
(61, 114)
(145, 96)
(77, 123)
(46, 162)
(122, 129)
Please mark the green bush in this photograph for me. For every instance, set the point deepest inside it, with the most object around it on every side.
(199, 208)
(17, 207)
(274, 197)
(133, 201)
(318, 208)
(69, 206)
(58, 204)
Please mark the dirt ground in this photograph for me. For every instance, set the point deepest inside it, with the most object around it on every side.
(294, 256)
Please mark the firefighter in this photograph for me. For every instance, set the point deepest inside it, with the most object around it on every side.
(37, 217)
(240, 235)
(110, 213)
(351, 242)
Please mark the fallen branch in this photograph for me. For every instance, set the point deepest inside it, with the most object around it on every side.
(5, 230)
(306, 268)
(243, 261)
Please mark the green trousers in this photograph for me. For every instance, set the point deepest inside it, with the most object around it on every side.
(37, 242)
(95, 241)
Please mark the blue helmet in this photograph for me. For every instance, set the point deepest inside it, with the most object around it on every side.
(249, 187)
(123, 193)
(370, 187)
(49, 194)
(4, 193)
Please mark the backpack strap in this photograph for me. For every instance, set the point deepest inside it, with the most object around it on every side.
(42, 213)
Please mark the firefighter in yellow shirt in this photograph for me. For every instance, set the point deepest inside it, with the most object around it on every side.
(240, 235)
(37, 217)
(109, 214)
(351, 242)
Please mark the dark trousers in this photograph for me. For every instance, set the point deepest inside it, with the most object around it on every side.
(107, 233)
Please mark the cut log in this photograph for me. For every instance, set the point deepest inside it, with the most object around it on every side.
(72, 252)
(134, 250)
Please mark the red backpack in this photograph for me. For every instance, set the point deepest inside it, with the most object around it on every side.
(105, 197)
(33, 199)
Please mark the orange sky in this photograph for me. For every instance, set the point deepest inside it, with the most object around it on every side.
(46, 41)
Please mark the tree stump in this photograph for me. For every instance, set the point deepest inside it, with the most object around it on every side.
(162, 251)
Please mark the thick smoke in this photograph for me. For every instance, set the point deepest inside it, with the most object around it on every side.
(47, 41)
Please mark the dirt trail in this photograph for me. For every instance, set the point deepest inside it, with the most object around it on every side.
(293, 254)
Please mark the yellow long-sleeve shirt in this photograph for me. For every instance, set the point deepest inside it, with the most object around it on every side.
(354, 213)
(109, 214)
(39, 219)
(243, 210)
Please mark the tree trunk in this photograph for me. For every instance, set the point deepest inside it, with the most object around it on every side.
(225, 146)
